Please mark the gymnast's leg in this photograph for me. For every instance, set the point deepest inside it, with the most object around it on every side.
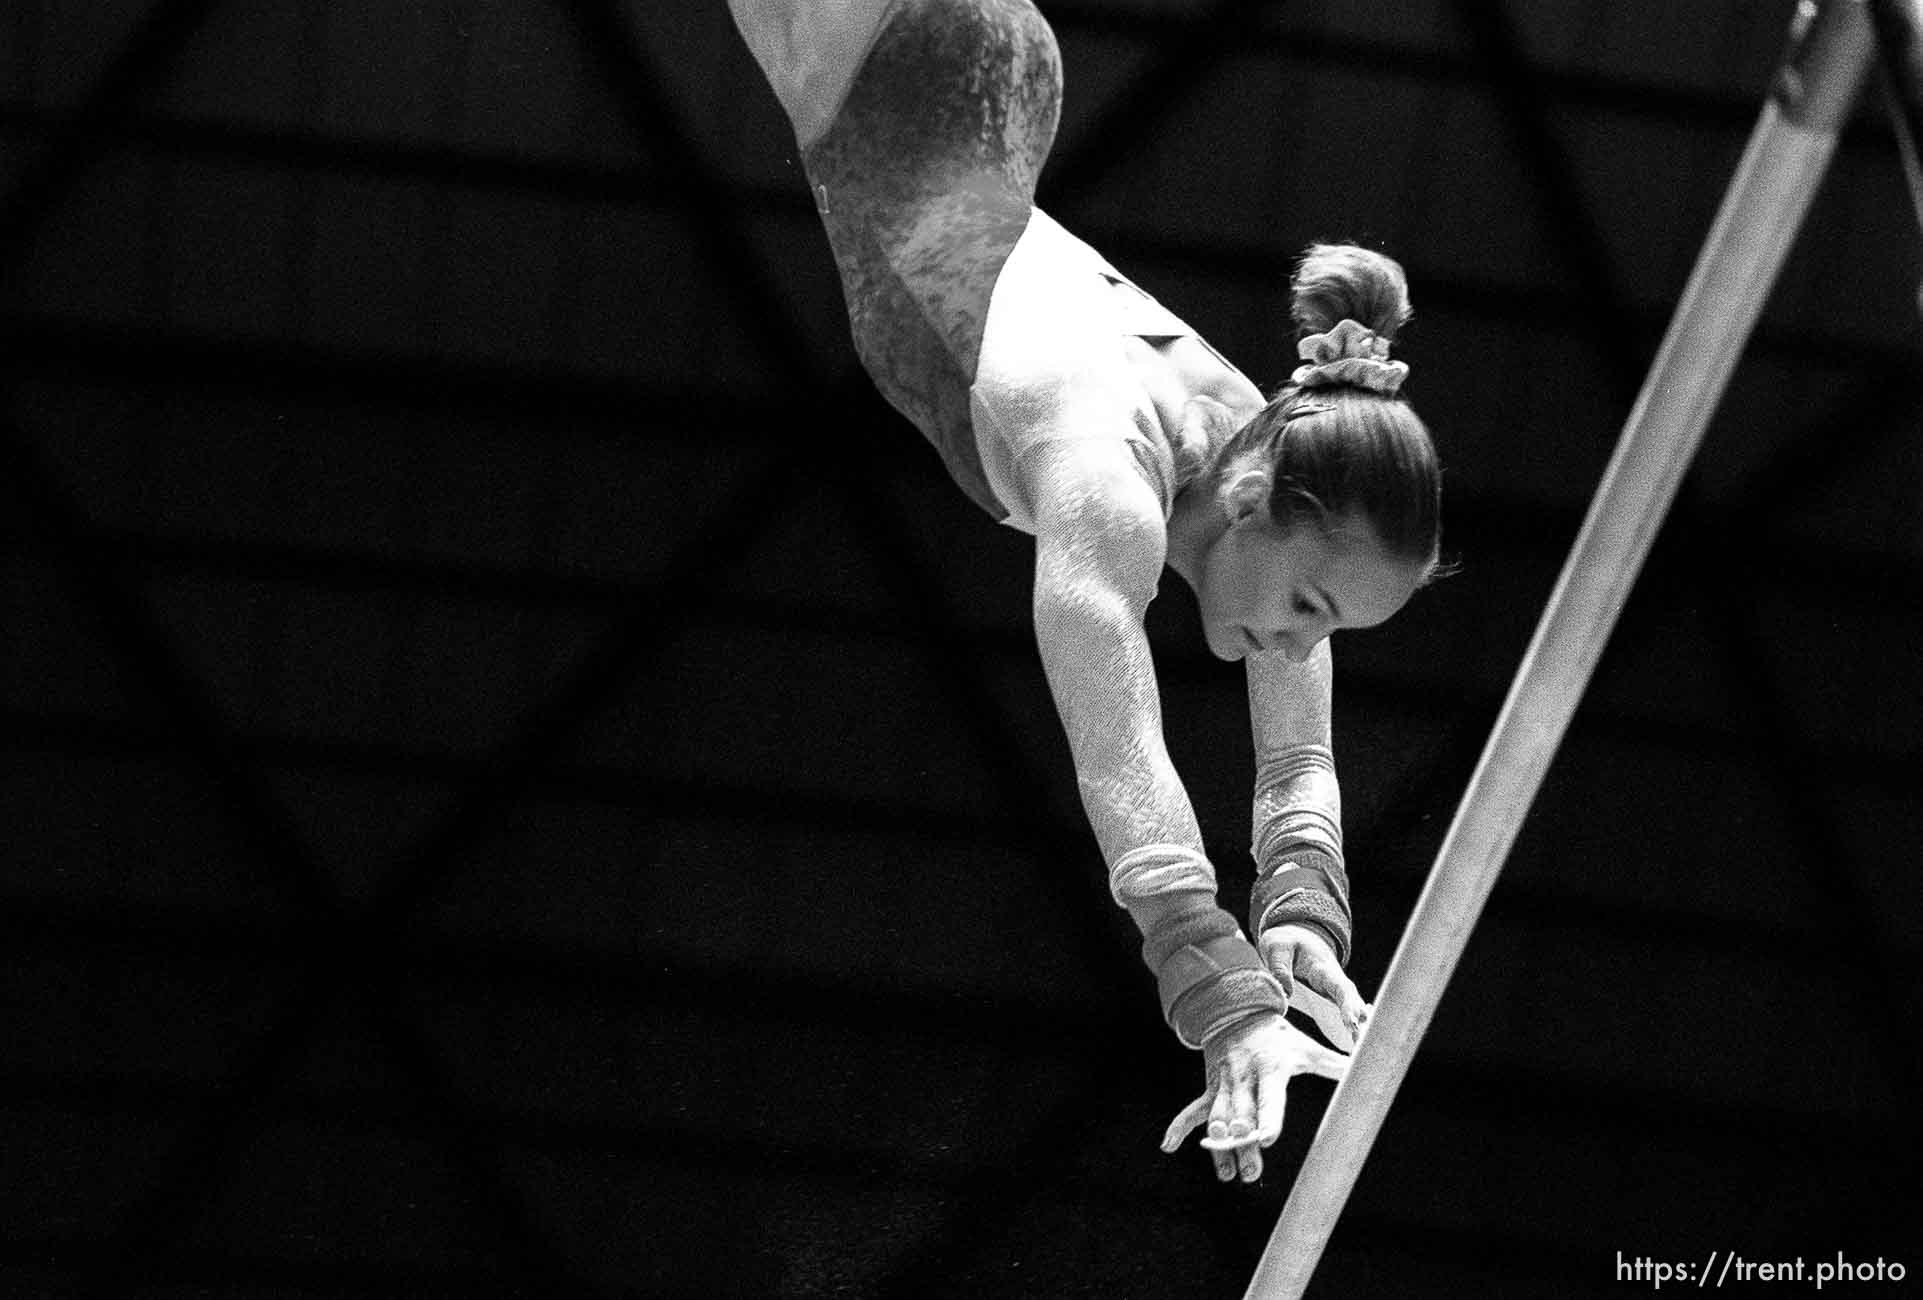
(923, 125)
(810, 51)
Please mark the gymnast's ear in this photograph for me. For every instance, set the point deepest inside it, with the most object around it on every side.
(1245, 491)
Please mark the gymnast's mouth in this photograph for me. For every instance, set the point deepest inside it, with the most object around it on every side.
(1253, 643)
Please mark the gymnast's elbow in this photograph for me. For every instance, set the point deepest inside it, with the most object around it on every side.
(1079, 626)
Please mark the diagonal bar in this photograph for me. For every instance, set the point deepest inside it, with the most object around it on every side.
(1569, 222)
(1899, 37)
(695, 572)
(612, 50)
(476, 1147)
(986, 1204)
(1166, 81)
(102, 584)
(1787, 154)
(156, 1218)
(140, 67)
(1617, 331)
(608, 46)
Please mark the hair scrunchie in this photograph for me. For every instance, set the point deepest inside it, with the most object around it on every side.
(1352, 354)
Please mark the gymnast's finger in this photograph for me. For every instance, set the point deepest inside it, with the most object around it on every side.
(1240, 1130)
(1319, 972)
(1221, 1108)
(1222, 1130)
(1313, 1058)
(1249, 1161)
(1271, 1103)
(1192, 1115)
(1278, 954)
(1327, 1016)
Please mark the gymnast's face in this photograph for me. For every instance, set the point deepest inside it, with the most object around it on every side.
(1266, 589)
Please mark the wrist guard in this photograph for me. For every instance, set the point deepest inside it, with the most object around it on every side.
(1207, 974)
(1297, 844)
(1306, 887)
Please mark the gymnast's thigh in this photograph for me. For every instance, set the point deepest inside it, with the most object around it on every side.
(810, 51)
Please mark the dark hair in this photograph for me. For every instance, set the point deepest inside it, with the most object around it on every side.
(1341, 451)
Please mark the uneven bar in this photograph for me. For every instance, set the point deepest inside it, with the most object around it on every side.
(1831, 48)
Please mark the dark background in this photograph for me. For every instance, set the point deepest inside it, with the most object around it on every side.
(522, 777)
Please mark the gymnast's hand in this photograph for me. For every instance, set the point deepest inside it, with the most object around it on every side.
(1312, 977)
(1249, 1067)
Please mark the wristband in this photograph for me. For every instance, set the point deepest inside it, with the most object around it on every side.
(1236, 985)
(1208, 976)
(1307, 887)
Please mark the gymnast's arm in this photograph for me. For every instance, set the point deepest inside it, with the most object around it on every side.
(1100, 547)
(1100, 543)
(1299, 907)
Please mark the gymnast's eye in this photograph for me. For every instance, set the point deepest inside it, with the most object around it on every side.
(1302, 606)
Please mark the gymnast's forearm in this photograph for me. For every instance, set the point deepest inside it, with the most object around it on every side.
(1094, 578)
(1296, 833)
(1102, 679)
(1100, 544)
(1208, 976)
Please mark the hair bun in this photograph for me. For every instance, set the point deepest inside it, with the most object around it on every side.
(1338, 282)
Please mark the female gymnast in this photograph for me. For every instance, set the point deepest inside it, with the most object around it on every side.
(1069, 404)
